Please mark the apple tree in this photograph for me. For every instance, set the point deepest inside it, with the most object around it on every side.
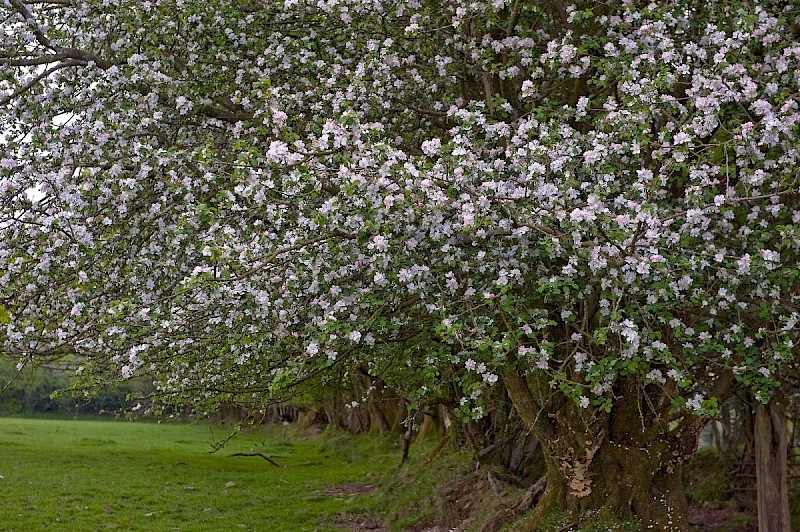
(593, 207)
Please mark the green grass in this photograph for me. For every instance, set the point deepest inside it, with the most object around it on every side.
(100, 475)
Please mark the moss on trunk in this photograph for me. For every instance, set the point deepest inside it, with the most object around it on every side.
(621, 467)
(618, 484)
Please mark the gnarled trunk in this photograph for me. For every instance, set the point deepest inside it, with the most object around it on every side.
(612, 482)
(622, 466)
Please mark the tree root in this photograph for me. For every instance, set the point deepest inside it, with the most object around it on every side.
(507, 515)
(532, 495)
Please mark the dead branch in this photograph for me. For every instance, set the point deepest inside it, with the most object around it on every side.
(262, 455)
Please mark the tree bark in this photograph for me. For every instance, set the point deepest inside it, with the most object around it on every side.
(728, 447)
(618, 484)
(624, 467)
(772, 446)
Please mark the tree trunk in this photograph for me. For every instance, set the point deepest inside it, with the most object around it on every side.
(728, 445)
(624, 467)
(377, 419)
(716, 437)
(612, 482)
(772, 446)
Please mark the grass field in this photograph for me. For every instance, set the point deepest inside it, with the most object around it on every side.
(100, 475)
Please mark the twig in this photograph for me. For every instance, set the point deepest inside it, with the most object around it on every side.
(17, 374)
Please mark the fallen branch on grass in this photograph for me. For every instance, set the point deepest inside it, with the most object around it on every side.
(262, 455)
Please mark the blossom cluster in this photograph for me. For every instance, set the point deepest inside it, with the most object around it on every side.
(235, 197)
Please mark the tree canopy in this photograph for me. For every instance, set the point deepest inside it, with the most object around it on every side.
(594, 207)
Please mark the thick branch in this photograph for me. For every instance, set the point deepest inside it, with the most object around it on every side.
(525, 405)
(27, 86)
(37, 30)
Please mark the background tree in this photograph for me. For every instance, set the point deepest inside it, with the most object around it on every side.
(593, 207)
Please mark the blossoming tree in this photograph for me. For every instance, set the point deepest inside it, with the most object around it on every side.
(594, 208)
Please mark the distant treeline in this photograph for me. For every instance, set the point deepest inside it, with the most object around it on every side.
(38, 390)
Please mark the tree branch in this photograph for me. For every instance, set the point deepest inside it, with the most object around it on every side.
(27, 86)
(21, 8)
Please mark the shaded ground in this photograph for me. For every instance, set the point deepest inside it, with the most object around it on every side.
(463, 500)
(699, 520)
(358, 523)
(723, 520)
